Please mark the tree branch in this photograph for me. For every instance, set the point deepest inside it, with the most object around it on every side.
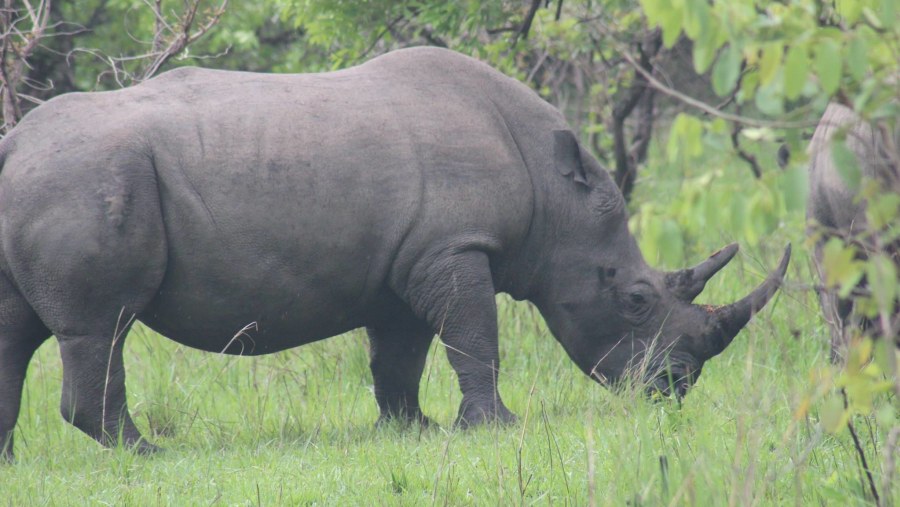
(626, 163)
(13, 57)
(388, 28)
(526, 23)
(641, 139)
(183, 38)
(737, 128)
(710, 110)
(742, 153)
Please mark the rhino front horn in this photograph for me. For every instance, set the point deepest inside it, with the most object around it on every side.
(686, 284)
(730, 319)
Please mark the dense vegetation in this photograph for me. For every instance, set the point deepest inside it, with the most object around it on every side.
(687, 102)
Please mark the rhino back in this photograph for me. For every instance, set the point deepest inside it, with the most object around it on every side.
(831, 202)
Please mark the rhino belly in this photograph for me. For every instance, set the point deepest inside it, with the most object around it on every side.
(284, 291)
(248, 320)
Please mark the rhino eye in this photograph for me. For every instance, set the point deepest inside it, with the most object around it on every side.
(637, 301)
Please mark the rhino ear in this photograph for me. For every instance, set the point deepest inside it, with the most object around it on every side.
(567, 156)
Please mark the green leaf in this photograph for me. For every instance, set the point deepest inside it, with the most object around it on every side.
(846, 164)
(857, 57)
(881, 274)
(696, 19)
(685, 138)
(888, 16)
(849, 10)
(670, 20)
(882, 209)
(769, 63)
(833, 415)
(653, 10)
(794, 188)
(841, 268)
(726, 70)
(749, 84)
(796, 70)
(859, 355)
(769, 99)
(883, 350)
(828, 65)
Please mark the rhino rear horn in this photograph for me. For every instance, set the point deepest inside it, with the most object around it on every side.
(730, 319)
(686, 284)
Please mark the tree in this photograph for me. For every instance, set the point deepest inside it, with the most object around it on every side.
(38, 48)
(22, 31)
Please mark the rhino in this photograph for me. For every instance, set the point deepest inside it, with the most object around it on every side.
(399, 195)
(834, 209)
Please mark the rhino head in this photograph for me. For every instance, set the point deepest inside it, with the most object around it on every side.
(617, 317)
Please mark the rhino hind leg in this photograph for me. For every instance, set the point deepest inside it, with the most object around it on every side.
(455, 294)
(93, 392)
(91, 331)
(21, 333)
(399, 347)
(86, 261)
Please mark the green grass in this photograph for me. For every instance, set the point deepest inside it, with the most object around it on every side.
(298, 427)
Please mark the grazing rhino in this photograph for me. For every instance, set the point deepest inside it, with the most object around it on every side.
(834, 210)
(399, 195)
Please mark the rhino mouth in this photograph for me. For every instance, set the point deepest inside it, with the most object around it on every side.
(661, 386)
(668, 385)
(657, 379)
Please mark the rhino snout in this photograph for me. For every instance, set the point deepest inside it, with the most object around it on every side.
(667, 385)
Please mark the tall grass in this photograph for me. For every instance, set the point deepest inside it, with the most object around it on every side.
(297, 428)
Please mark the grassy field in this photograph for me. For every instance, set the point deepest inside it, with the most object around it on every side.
(297, 427)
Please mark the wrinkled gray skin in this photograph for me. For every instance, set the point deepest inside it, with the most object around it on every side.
(399, 195)
(834, 210)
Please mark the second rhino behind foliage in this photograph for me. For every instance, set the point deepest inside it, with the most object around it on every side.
(399, 195)
(836, 210)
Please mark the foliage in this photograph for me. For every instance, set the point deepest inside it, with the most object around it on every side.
(787, 59)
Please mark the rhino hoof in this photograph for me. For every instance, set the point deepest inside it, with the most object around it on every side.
(472, 416)
(405, 421)
(145, 448)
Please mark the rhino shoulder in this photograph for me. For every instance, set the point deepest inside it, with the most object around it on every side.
(448, 70)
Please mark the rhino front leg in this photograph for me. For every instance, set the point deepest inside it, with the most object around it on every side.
(455, 295)
(397, 358)
(93, 393)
